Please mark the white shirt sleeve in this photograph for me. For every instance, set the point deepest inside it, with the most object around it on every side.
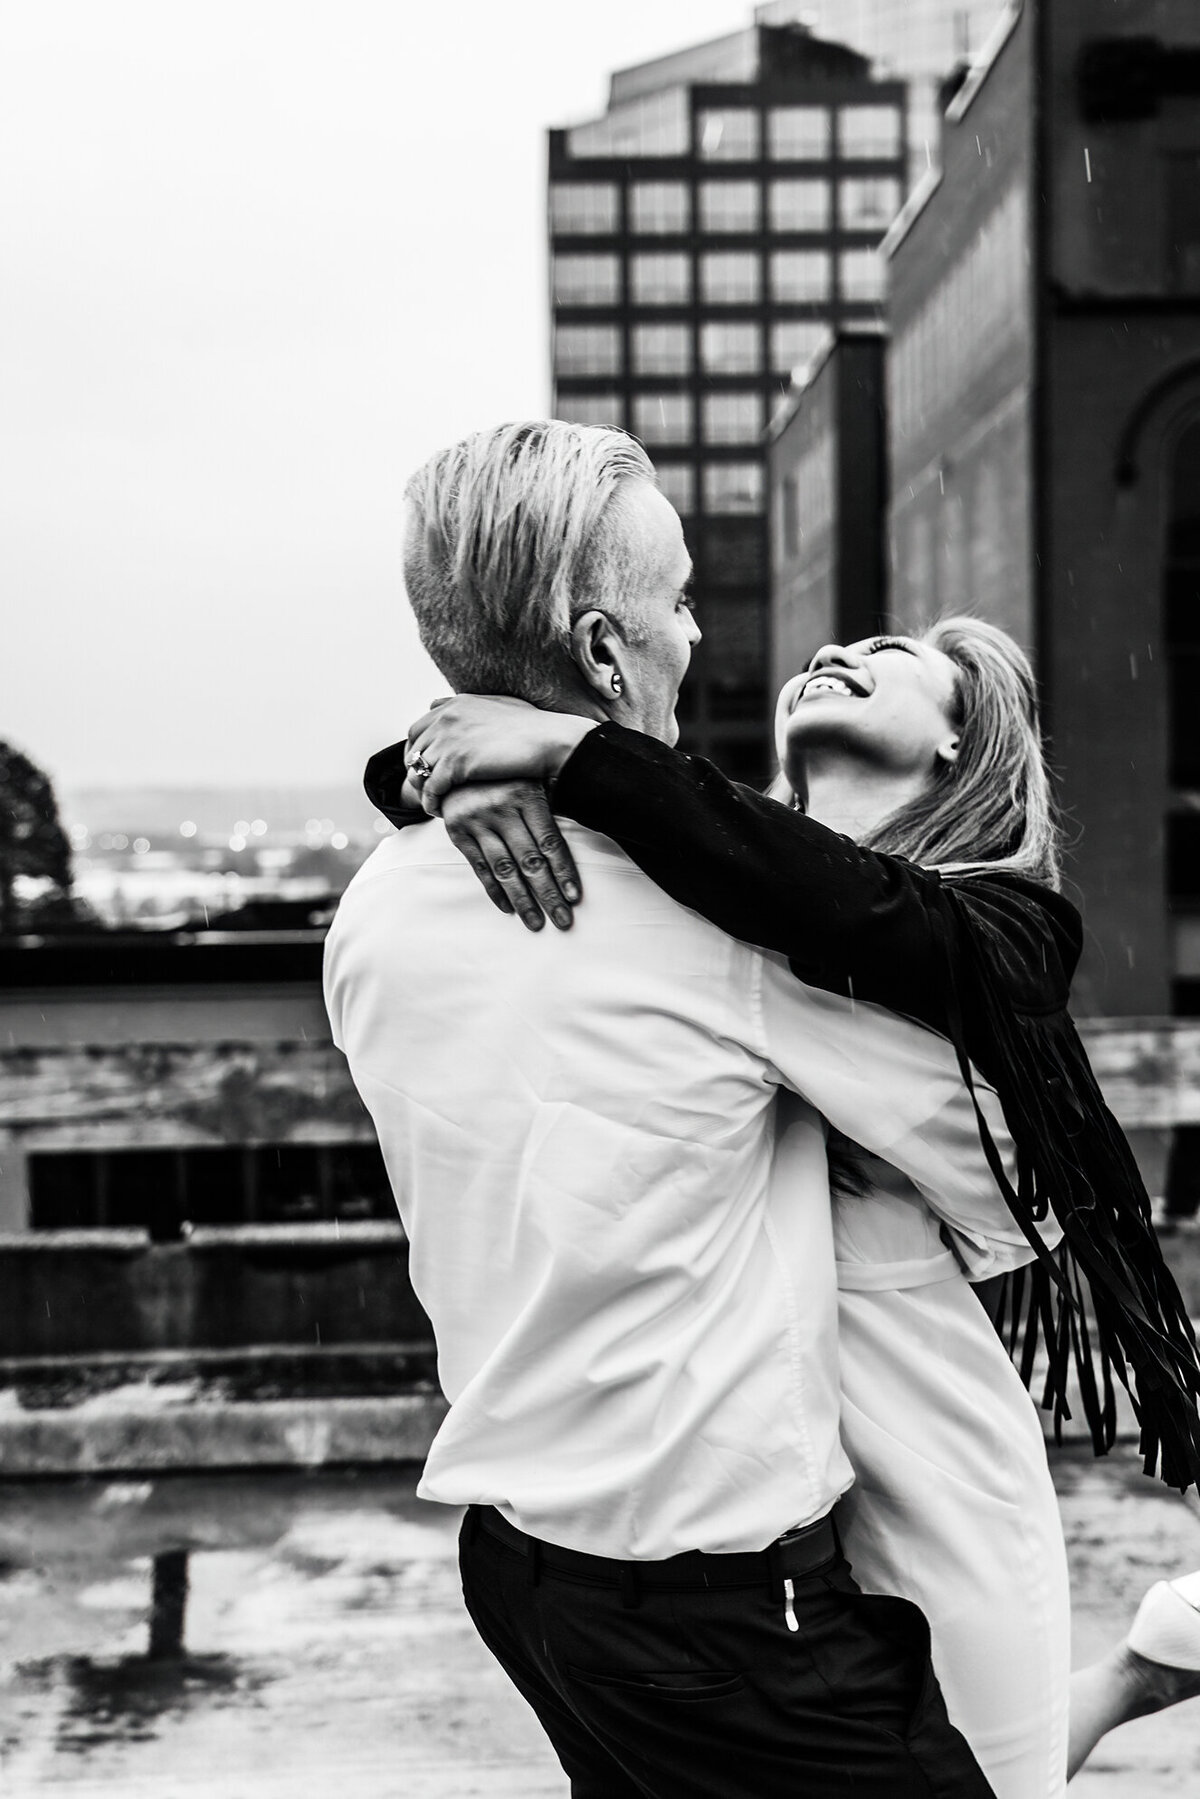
(895, 1087)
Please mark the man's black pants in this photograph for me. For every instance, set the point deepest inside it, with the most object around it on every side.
(668, 1681)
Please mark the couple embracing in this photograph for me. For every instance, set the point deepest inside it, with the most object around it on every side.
(698, 1184)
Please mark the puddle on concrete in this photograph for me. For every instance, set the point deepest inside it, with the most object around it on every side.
(126, 1601)
(283, 1635)
(104, 1699)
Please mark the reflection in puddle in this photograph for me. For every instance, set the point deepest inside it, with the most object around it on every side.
(121, 1698)
(193, 1633)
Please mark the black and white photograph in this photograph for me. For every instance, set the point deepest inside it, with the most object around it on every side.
(600, 899)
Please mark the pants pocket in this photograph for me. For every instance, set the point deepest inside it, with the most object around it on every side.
(681, 1686)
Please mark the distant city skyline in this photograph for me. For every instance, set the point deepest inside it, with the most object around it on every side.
(133, 807)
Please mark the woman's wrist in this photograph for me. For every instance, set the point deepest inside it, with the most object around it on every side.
(480, 737)
(410, 797)
(569, 734)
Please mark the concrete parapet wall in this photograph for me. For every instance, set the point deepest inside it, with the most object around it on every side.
(1148, 1068)
(146, 1431)
(121, 1095)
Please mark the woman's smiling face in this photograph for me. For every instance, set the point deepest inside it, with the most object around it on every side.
(891, 701)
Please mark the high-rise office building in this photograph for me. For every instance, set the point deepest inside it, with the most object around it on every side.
(705, 234)
(921, 42)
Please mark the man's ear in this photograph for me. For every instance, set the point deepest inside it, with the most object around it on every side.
(598, 652)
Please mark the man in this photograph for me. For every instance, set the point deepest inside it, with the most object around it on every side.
(635, 1324)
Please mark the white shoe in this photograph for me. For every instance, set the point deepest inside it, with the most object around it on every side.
(1167, 1626)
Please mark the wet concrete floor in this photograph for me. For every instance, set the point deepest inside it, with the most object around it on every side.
(251, 1637)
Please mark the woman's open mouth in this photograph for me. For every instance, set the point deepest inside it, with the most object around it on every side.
(828, 683)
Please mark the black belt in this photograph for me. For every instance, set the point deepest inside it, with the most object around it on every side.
(796, 1554)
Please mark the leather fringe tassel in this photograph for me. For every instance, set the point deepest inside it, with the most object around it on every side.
(1103, 1303)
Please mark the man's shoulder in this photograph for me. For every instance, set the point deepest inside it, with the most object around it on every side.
(418, 879)
(428, 846)
(411, 847)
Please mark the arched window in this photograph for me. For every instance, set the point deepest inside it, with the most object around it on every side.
(1181, 642)
(1181, 611)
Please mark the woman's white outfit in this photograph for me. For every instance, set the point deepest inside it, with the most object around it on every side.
(953, 1505)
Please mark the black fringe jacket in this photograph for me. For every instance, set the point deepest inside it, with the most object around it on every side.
(985, 960)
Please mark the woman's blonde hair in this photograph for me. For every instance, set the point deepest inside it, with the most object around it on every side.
(992, 807)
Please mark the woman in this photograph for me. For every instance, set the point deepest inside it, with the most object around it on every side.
(933, 894)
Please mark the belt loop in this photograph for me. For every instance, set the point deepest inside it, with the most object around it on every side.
(774, 1565)
(631, 1587)
(474, 1524)
(535, 1561)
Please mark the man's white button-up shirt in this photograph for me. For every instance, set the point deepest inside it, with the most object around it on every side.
(635, 1315)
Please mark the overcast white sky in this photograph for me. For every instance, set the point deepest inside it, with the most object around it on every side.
(260, 258)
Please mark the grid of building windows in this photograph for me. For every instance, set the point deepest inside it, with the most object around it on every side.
(587, 280)
(731, 349)
(658, 207)
(730, 206)
(677, 481)
(584, 208)
(860, 275)
(587, 350)
(728, 133)
(735, 418)
(602, 408)
(801, 275)
(660, 278)
(663, 418)
(867, 202)
(730, 277)
(799, 133)
(794, 343)
(661, 349)
(733, 487)
(801, 204)
(868, 133)
(702, 247)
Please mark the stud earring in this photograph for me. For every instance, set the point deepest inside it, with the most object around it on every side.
(618, 686)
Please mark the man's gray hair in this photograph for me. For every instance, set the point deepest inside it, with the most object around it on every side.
(509, 538)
